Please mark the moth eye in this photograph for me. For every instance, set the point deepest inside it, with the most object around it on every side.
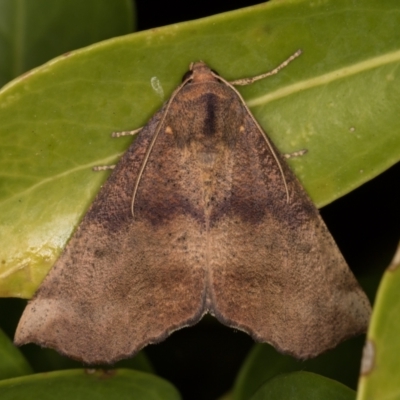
(215, 72)
(187, 75)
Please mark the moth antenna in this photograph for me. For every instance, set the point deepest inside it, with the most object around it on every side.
(248, 81)
(151, 145)
(262, 134)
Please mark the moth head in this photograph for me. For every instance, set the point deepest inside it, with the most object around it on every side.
(199, 72)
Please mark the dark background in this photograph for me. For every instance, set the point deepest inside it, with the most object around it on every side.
(151, 13)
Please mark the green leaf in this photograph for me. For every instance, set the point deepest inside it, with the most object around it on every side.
(12, 362)
(380, 365)
(88, 384)
(338, 100)
(33, 32)
(45, 359)
(303, 386)
(264, 363)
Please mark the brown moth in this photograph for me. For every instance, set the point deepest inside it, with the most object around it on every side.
(200, 215)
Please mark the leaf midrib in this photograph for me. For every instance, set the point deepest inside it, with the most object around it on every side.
(85, 167)
(324, 79)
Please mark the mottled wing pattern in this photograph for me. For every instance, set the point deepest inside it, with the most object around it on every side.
(123, 282)
(277, 273)
(212, 231)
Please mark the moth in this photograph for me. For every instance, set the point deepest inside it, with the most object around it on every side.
(201, 214)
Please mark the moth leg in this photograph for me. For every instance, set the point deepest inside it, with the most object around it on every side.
(98, 168)
(298, 153)
(116, 135)
(126, 133)
(248, 81)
